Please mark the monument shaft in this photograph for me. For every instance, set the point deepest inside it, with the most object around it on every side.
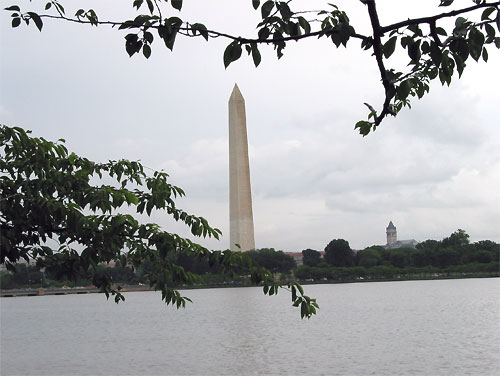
(240, 194)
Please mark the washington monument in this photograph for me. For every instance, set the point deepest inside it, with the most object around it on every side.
(240, 194)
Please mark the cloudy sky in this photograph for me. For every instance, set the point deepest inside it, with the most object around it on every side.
(433, 169)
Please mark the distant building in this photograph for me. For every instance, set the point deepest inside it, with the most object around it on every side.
(392, 239)
(297, 256)
(392, 234)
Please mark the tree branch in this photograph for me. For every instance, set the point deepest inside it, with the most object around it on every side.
(212, 33)
(377, 50)
(433, 19)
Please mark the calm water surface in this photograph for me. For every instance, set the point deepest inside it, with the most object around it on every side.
(448, 327)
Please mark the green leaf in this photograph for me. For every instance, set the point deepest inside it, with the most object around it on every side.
(475, 41)
(345, 31)
(436, 53)
(168, 35)
(146, 51)
(92, 17)
(426, 48)
(485, 55)
(336, 39)
(366, 44)
(414, 51)
(150, 6)
(48, 6)
(432, 74)
(486, 13)
(285, 11)
(174, 21)
(441, 31)
(445, 3)
(498, 20)
(446, 70)
(132, 44)
(37, 20)
(232, 53)
(72, 158)
(266, 9)
(403, 89)
(13, 8)
(490, 31)
(137, 4)
(460, 21)
(460, 47)
(255, 3)
(303, 309)
(148, 37)
(264, 33)
(299, 287)
(60, 7)
(200, 28)
(16, 21)
(389, 47)
(406, 41)
(255, 54)
(416, 30)
(364, 127)
(176, 4)
(304, 24)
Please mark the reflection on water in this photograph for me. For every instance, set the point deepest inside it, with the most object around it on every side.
(448, 327)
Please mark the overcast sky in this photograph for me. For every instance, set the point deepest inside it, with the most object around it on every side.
(432, 170)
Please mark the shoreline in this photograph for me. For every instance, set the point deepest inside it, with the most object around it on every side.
(136, 288)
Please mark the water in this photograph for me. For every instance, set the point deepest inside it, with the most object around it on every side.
(448, 327)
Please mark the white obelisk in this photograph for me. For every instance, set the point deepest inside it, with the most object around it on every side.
(240, 194)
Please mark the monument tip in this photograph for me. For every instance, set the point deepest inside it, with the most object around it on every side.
(236, 93)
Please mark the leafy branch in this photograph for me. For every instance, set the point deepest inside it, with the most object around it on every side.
(47, 195)
(429, 57)
(416, 81)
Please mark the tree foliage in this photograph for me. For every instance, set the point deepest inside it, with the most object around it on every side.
(71, 214)
(272, 260)
(459, 238)
(433, 49)
(311, 257)
(339, 253)
(368, 257)
(431, 258)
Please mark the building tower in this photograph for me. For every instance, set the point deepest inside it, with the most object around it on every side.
(392, 235)
(240, 195)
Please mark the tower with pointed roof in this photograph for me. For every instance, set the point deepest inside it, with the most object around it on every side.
(392, 235)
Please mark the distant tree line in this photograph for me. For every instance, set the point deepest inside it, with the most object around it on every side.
(277, 262)
(453, 255)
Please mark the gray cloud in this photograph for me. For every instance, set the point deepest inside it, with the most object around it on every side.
(432, 169)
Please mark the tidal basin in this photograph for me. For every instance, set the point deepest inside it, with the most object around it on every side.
(438, 327)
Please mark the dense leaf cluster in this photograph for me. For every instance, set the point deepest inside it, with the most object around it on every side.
(70, 214)
(432, 48)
